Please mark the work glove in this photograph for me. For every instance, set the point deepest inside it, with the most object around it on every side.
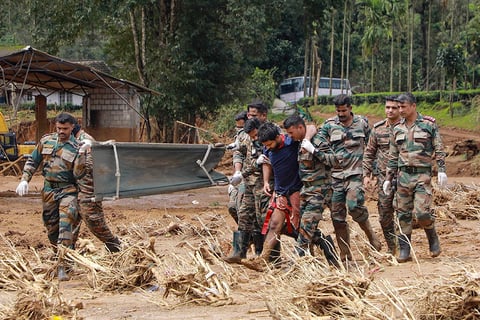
(387, 187)
(236, 178)
(22, 188)
(308, 146)
(86, 145)
(442, 179)
(262, 159)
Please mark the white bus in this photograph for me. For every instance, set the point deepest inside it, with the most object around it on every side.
(291, 89)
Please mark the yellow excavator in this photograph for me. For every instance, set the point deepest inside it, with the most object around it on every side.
(12, 155)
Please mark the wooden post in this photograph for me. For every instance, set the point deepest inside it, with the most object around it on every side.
(41, 116)
(175, 132)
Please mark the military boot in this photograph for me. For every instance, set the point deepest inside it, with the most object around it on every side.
(113, 245)
(326, 244)
(390, 238)
(433, 242)
(372, 238)
(404, 243)
(342, 233)
(258, 238)
(241, 240)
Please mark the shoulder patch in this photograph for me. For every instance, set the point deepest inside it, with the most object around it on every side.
(429, 118)
(379, 123)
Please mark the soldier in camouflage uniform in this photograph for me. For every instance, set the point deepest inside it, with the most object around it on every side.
(56, 154)
(415, 143)
(376, 152)
(316, 192)
(91, 211)
(347, 135)
(235, 193)
(248, 170)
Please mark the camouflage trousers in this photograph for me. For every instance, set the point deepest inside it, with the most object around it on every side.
(235, 197)
(313, 201)
(414, 200)
(386, 211)
(60, 215)
(92, 214)
(247, 213)
(348, 194)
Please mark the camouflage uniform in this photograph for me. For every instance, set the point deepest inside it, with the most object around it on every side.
(377, 152)
(315, 194)
(411, 153)
(59, 194)
(236, 193)
(91, 211)
(347, 144)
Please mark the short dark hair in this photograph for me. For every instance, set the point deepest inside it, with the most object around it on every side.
(251, 124)
(293, 120)
(242, 115)
(260, 106)
(406, 97)
(391, 98)
(342, 99)
(65, 117)
(268, 131)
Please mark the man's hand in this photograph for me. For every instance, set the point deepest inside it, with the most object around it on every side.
(387, 187)
(86, 145)
(236, 178)
(442, 179)
(308, 146)
(232, 146)
(262, 159)
(22, 188)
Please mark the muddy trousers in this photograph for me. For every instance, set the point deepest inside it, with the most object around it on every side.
(93, 216)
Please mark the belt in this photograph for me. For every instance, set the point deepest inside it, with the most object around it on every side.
(56, 185)
(313, 183)
(413, 170)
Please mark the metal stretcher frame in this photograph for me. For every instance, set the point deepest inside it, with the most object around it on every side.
(129, 169)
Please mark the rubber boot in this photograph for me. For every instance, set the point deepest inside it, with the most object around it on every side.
(114, 245)
(258, 238)
(372, 238)
(326, 244)
(342, 233)
(433, 242)
(62, 273)
(241, 240)
(390, 238)
(404, 244)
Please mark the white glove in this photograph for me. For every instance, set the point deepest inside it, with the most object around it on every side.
(236, 178)
(262, 159)
(308, 146)
(22, 188)
(86, 144)
(442, 179)
(387, 187)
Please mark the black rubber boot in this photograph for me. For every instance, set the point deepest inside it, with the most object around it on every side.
(433, 242)
(342, 233)
(404, 243)
(326, 244)
(241, 240)
(372, 238)
(390, 238)
(114, 245)
(258, 238)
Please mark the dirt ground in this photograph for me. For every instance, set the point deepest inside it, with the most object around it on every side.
(20, 223)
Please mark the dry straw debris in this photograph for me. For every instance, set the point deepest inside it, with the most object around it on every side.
(457, 202)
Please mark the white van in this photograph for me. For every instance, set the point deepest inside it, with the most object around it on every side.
(291, 89)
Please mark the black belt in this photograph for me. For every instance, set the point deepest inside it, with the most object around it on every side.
(413, 170)
(56, 185)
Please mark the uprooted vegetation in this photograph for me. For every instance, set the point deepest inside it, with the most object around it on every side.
(195, 274)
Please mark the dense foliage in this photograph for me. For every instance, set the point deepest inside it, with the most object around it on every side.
(202, 54)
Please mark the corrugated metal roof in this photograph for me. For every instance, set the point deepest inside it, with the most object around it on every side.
(38, 69)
